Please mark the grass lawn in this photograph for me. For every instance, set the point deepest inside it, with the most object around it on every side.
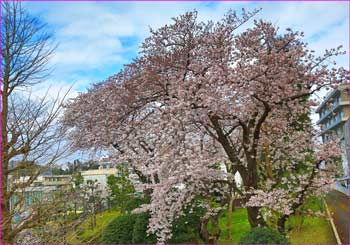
(239, 226)
(315, 230)
(84, 234)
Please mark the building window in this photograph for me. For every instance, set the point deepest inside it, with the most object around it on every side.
(27, 198)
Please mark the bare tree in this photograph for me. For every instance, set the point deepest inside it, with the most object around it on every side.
(58, 221)
(92, 193)
(31, 136)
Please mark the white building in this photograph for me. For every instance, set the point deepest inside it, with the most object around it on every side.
(100, 176)
(334, 121)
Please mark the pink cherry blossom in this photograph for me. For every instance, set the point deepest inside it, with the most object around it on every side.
(201, 96)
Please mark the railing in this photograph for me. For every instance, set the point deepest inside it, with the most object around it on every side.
(333, 124)
(329, 110)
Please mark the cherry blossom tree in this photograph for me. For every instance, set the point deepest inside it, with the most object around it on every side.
(203, 95)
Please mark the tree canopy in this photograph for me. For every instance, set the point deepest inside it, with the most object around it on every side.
(204, 101)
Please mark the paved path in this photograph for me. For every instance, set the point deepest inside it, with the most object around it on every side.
(339, 206)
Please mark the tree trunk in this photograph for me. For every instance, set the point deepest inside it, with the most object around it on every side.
(215, 236)
(7, 235)
(229, 216)
(251, 182)
(94, 216)
(281, 223)
(301, 219)
(204, 233)
(253, 217)
(92, 221)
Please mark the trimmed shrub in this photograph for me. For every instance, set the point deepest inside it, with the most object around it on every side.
(263, 235)
(119, 231)
(132, 228)
(133, 203)
(186, 228)
(139, 234)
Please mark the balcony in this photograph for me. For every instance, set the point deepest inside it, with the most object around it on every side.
(334, 124)
(335, 106)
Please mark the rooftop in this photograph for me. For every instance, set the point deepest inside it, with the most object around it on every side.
(57, 176)
(109, 171)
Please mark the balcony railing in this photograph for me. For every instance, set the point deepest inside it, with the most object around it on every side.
(333, 124)
(329, 111)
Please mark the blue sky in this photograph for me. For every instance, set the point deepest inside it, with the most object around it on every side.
(96, 38)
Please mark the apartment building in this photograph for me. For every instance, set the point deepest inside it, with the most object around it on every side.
(334, 121)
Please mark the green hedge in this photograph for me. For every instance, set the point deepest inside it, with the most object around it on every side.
(263, 235)
(186, 228)
(132, 228)
(139, 234)
(133, 203)
(119, 231)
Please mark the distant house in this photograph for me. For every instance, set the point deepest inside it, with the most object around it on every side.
(100, 176)
(106, 168)
(59, 181)
(41, 189)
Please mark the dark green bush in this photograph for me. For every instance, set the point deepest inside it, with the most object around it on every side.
(132, 228)
(120, 230)
(133, 203)
(139, 234)
(263, 235)
(186, 227)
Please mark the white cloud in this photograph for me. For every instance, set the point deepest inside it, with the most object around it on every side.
(91, 33)
(87, 53)
(52, 90)
(88, 35)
